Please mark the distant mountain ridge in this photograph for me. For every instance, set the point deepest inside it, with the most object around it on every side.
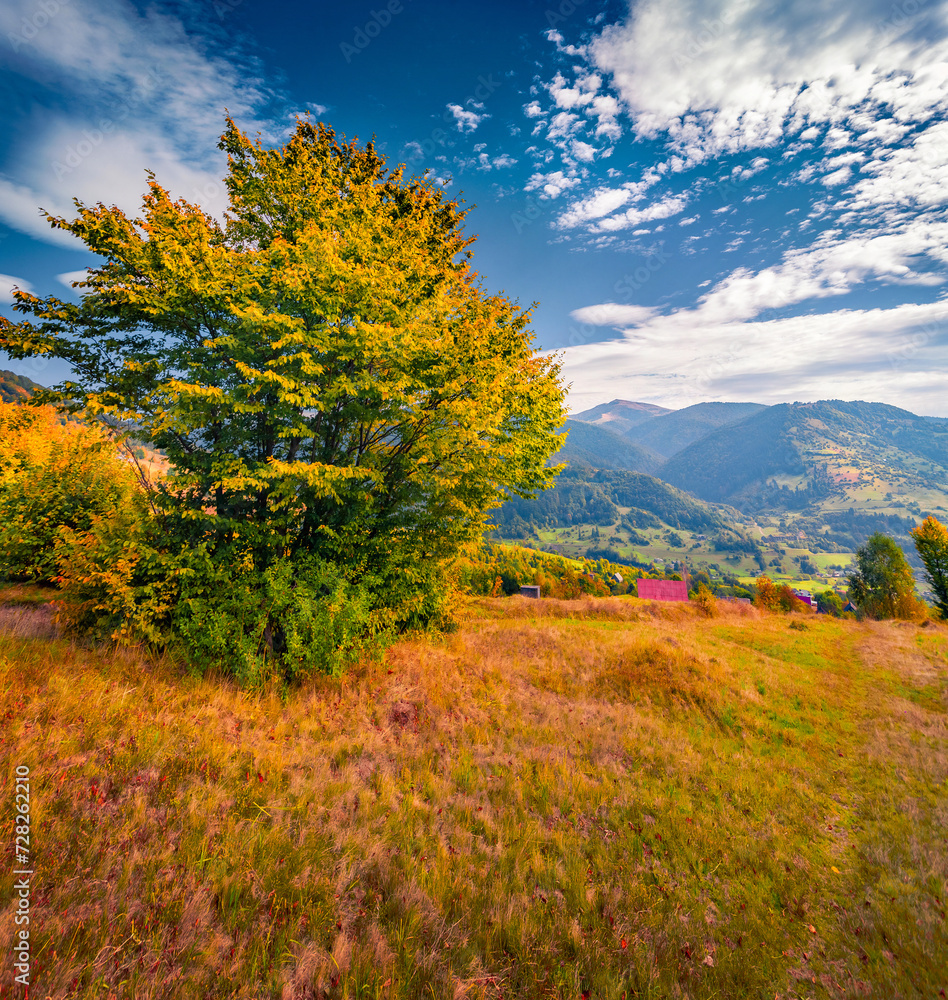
(621, 414)
(16, 388)
(790, 456)
(796, 454)
(669, 433)
(596, 445)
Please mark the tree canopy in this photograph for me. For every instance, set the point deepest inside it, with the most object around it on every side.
(931, 543)
(883, 584)
(322, 368)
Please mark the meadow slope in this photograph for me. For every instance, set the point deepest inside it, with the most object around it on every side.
(603, 798)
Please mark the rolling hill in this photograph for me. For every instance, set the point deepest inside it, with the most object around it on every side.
(669, 433)
(829, 454)
(595, 445)
(621, 414)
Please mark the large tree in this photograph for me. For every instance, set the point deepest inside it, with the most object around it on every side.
(931, 543)
(323, 369)
(883, 584)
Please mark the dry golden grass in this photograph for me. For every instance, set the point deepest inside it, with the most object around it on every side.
(603, 797)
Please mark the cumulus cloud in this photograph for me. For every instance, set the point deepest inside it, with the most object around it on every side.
(551, 185)
(719, 76)
(467, 121)
(661, 209)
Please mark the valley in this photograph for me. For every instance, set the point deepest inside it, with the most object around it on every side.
(733, 490)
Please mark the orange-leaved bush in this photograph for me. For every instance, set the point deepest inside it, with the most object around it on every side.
(56, 475)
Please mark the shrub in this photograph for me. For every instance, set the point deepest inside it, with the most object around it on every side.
(54, 474)
(215, 608)
(705, 601)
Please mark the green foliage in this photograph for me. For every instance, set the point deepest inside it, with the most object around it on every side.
(830, 603)
(478, 569)
(883, 585)
(931, 542)
(705, 601)
(593, 496)
(328, 380)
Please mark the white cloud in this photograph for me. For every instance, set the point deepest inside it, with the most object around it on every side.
(140, 92)
(466, 121)
(551, 185)
(485, 162)
(837, 177)
(583, 151)
(719, 76)
(689, 222)
(7, 281)
(579, 95)
(563, 125)
(662, 209)
(914, 175)
(598, 204)
(70, 276)
(613, 314)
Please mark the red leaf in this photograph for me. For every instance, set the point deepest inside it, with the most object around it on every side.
(625, 944)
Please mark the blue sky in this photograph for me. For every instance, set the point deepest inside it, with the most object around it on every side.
(709, 199)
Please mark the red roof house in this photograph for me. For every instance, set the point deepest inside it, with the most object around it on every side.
(663, 590)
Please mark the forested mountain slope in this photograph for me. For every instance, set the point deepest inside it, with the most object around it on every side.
(597, 446)
(669, 433)
(833, 453)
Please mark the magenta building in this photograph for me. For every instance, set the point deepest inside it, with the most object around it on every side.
(662, 590)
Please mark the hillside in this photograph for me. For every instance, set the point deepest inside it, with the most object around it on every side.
(669, 433)
(558, 799)
(830, 454)
(15, 388)
(621, 414)
(597, 446)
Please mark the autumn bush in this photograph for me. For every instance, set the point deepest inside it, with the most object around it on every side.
(56, 475)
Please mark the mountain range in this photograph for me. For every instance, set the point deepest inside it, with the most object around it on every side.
(826, 455)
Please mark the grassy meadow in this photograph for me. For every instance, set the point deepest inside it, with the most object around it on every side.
(605, 798)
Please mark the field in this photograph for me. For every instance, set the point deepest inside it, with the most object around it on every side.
(604, 798)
